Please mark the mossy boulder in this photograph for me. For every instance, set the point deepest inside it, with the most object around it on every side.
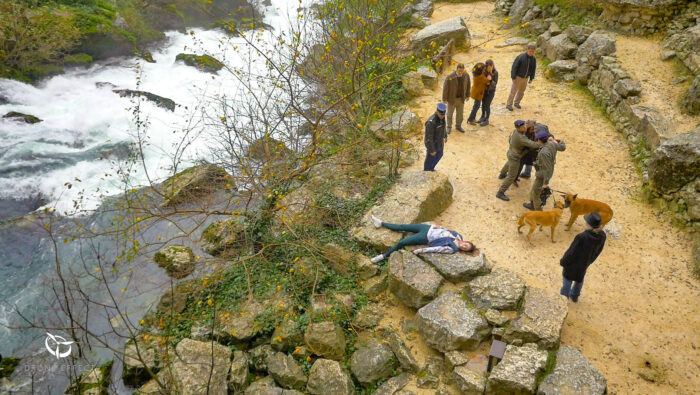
(93, 382)
(223, 235)
(160, 101)
(177, 260)
(193, 183)
(202, 62)
(146, 352)
(325, 339)
(18, 116)
(7, 366)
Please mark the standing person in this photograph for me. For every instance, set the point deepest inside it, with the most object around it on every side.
(518, 142)
(533, 127)
(524, 67)
(455, 92)
(582, 252)
(438, 239)
(481, 83)
(435, 138)
(490, 93)
(544, 165)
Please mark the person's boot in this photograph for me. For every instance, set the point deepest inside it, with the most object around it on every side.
(529, 206)
(509, 108)
(515, 182)
(517, 106)
(459, 129)
(485, 122)
(502, 196)
(501, 176)
(573, 298)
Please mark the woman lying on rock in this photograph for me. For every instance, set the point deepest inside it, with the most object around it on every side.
(439, 239)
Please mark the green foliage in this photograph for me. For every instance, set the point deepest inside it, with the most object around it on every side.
(7, 366)
(77, 59)
(549, 366)
(576, 12)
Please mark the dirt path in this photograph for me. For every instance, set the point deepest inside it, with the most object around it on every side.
(641, 57)
(639, 300)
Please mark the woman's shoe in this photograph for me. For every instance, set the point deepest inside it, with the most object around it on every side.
(471, 122)
(485, 122)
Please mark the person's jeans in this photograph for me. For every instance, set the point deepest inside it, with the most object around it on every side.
(486, 104)
(431, 161)
(570, 291)
(420, 236)
(475, 109)
(527, 172)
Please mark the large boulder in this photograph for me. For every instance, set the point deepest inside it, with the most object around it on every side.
(286, 372)
(429, 77)
(325, 339)
(628, 87)
(468, 381)
(328, 377)
(240, 324)
(517, 11)
(264, 386)
(578, 34)
(223, 235)
(675, 162)
(202, 62)
(194, 183)
(160, 101)
(403, 354)
(145, 352)
(518, 370)
(540, 320)
(562, 70)
(417, 196)
(238, 375)
(397, 125)
(448, 323)
(559, 47)
(501, 289)
(573, 374)
(460, 266)
(18, 116)
(442, 32)
(372, 362)
(413, 281)
(393, 385)
(598, 44)
(420, 12)
(177, 260)
(201, 367)
(691, 99)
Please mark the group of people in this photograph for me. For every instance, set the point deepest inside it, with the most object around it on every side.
(530, 145)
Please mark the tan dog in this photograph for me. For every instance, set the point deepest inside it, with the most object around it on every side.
(542, 218)
(586, 206)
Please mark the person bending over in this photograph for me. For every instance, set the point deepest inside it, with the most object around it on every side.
(438, 239)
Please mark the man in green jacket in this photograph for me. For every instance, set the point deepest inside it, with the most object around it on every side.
(518, 143)
(455, 92)
(544, 165)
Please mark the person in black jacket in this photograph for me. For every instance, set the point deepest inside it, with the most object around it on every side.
(524, 67)
(435, 138)
(490, 93)
(582, 252)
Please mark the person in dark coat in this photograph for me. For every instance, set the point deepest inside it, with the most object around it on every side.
(481, 84)
(435, 136)
(523, 68)
(490, 93)
(582, 252)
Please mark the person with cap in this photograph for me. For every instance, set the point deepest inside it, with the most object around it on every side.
(544, 166)
(518, 143)
(455, 91)
(582, 252)
(435, 137)
(481, 83)
(438, 239)
(490, 93)
(523, 68)
(530, 154)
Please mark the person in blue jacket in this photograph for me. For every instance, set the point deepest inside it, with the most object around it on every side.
(438, 239)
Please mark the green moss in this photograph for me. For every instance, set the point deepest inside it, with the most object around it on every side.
(77, 59)
(7, 366)
(549, 366)
(202, 62)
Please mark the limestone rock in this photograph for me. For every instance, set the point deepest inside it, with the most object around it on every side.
(519, 41)
(562, 70)
(201, 367)
(518, 371)
(517, 11)
(650, 124)
(372, 362)
(407, 362)
(143, 353)
(177, 260)
(412, 83)
(598, 44)
(328, 377)
(286, 372)
(160, 101)
(325, 339)
(578, 34)
(18, 116)
(264, 386)
(417, 196)
(194, 183)
(393, 385)
(413, 281)
(559, 47)
(375, 285)
(429, 376)
(420, 11)
(628, 87)
(369, 316)
(447, 324)
(286, 336)
(573, 374)
(202, 62)
(675, 162)
(540, 320)
(501, 289)
(430, 81)
(240, 324)
(441, 32)
(458, 267)
(495, 317)
(258, 356)
(468, 381)
(399, 124)
(238, 376)
(222, 235)
(691, 99)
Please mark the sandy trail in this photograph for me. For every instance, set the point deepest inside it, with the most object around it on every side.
(639, 300)
(641, 57)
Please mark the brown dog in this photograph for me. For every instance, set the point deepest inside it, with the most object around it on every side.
(541, 218)
(586, 206)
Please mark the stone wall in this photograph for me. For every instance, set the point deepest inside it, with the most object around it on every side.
(640, 16)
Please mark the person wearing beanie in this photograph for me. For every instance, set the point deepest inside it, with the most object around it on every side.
(455, 92)
(544, 166)
(481, 83)
(523, 68)
(435, 137)
(518, 142)
(582, 252)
